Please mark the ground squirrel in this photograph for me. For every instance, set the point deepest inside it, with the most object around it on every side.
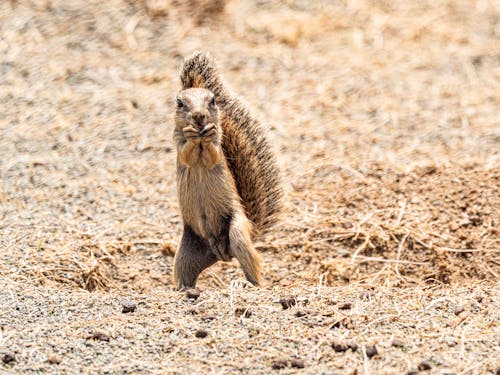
(227, 179)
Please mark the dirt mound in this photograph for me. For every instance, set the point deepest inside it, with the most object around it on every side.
(429, 224)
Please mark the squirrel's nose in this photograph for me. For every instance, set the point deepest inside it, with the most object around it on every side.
(199, 118)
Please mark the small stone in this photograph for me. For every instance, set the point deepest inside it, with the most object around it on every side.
(128, 306)
(8, 358)
(300, 313)
(100, 336)
(479, 298)
(397, 343)
(280, 364)
(297, 363)
(201, 333)
(340, 347)
(54, 359)
(242, 311)
(345, 306)
(345, 322)
(193, 293)
(458, 309)
(252, 332)
(451, 342)
(411, 372)
(364, 296)
(423, 366)
(352, 345)
(371, 351)
(288, 302)
(208, 317)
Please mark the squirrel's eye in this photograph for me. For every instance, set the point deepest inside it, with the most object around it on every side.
(180, 104)
(212, 101)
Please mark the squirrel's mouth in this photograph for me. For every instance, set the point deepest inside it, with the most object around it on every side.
(199, 126)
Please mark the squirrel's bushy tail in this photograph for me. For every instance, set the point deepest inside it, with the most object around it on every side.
(249, 156)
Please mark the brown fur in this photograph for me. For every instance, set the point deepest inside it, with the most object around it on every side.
(228, 182)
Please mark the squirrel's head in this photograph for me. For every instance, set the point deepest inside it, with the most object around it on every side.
(196, 107)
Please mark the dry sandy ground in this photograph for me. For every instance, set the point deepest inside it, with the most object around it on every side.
(385, 119)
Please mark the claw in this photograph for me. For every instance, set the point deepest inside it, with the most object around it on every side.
(207, 128)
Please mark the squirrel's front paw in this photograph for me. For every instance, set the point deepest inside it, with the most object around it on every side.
(191, 134)
(209, 133)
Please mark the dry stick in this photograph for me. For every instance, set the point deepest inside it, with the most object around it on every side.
(400, 248)
(378, 274)
(364, 220)
(129, 30)
(320, 282)
(462, 339)
(401, 213)
(467, 370)
(378, 320)
(360, 248)
(492, 272)
(365, 361)
(218, 281)
(382, 260)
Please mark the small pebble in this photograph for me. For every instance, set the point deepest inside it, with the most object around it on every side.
(242, 311)
(252, 332)
(397, 343)
(297, 363)
(345, 306)
(365, 296)
(279, 364)
(458, 310)
(411, 372)
(340, 347)
(201, 333)
(423, 366)
(371, 351)
(128, 306)
(54, 359)
(288, 302)
(8, 358)
(451, 342)
(352, 345)
(284, 363)
(208, 317)
(100, 336)
(193, 293)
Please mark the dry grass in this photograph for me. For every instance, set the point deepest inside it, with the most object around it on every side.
(385, 119)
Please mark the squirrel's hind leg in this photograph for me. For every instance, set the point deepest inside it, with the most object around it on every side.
(241, 248)
(192, 257)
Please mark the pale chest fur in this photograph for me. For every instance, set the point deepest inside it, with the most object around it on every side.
(206, 197)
